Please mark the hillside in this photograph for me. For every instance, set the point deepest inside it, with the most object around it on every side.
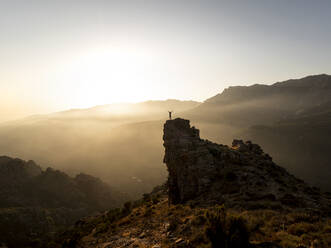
(216, 196)
(115, 114)
(299, 143)
(289, 119)
(101, 136)
(34, 203)
(265, 104)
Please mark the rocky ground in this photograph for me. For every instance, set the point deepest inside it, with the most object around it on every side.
(216, 196)
(155, 224)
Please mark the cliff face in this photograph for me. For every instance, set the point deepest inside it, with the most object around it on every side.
(241, 176)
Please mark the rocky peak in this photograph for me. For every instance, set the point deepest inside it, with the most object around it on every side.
(179, 127)
(239, 176)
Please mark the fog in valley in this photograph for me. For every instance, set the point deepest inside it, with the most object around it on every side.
(165, 124)
(122, 143)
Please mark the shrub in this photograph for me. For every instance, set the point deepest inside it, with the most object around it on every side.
(230, 176)
(238, 234)
(174, 221)
(127, 208)
(215, 230)
(146, 197)
(199, 220)
(148, 211)
(226, 232)
(101, 228)
(114, 214)
(300, 228)
(303, 217)
(155, 199)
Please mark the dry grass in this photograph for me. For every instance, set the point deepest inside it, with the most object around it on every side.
(154, 222)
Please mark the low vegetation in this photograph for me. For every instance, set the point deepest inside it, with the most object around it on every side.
(147, 224)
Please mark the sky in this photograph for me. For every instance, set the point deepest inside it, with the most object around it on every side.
(57, 55)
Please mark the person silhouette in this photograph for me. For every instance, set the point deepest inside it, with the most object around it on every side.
(170, 113)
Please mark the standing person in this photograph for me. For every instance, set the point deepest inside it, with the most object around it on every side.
(170, 113)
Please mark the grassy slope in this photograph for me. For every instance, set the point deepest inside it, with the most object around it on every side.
(153, 223)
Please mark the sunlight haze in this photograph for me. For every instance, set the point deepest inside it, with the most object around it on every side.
(165, 123)
(58, 55)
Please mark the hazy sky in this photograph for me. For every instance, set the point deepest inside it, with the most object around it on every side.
(64, 54)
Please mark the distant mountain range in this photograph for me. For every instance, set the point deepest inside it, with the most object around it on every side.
(115, 114)
(266, 104)
(290, 119)
(121, 143)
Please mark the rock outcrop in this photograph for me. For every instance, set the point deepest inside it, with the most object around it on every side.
(239, 176)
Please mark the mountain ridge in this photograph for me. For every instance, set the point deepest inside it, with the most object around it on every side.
(103, 141)
(320, 81)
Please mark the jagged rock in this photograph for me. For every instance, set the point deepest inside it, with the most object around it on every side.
(242, 175)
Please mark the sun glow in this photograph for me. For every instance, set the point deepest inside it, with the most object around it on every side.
(108, 76)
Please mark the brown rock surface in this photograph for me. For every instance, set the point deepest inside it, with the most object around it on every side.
(240, 176)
